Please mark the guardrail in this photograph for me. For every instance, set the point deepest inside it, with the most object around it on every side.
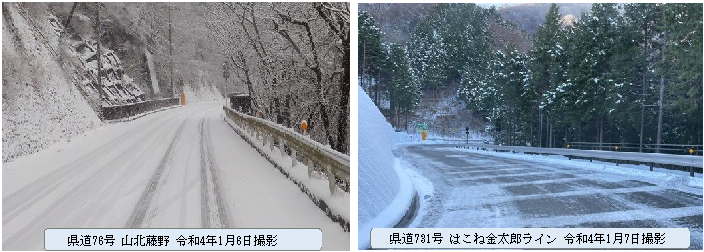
(335, 165)
(123, 111)
(681, 162)
(679, 149)
(456, 140)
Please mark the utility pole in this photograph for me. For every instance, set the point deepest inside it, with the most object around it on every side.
(642, 113)
(540, 130)
(100, 64)
(171, 54)
(662, 95)
(364, 61)
(226, 75)
(642, 107)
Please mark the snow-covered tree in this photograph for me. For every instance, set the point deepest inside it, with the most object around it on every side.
(293, 59)
(404, 90)
(546, 69)
(370, 56)
(682, 73)
(428, 55)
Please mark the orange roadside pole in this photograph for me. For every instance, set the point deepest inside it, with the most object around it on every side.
(183, 99)
(304, 126)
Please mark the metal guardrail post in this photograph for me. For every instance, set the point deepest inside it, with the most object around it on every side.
(281, 146)
(310, 167)
(271, 142)
(331, 178)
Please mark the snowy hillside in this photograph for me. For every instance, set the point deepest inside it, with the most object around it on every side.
(201, 91)
(385, 191)
(446, 117)
(40, 104)
(79, 54)
(118, 87)
(50, 84)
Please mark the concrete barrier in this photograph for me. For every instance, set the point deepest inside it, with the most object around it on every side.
(128, 110)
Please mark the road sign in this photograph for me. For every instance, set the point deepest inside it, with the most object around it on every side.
(691, 151)
(420, 127)
(466, 131)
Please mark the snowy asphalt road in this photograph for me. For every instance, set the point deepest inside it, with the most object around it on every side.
(179, 168)
(485, 191)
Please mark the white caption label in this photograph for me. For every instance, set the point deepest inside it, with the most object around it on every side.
(523, 238)
(183, 239)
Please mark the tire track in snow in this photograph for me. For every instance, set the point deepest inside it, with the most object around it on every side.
(61, 203)
(213, 211)
(184, 195)
(28, 196)
(140, 209)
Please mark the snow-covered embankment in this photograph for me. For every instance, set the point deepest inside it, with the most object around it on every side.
(40, 104)
(385, 191)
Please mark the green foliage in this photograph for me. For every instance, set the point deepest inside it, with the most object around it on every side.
(404, 90)
(428, 55)
(497, 91)
(369, 53)
(682, 68)
(450, 40)
(591, 81)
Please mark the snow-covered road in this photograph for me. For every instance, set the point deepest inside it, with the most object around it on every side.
(179, 168)
(486, 190)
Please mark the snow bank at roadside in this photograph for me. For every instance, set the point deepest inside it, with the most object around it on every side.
(378, 183)
(385, 191)
(423, 187)
(394, 211)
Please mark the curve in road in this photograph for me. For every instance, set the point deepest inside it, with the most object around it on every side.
(476, 189)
